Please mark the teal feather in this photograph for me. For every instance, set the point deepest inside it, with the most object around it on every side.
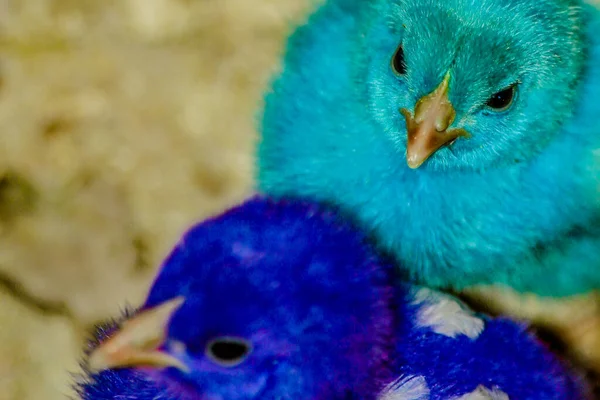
(518, 203)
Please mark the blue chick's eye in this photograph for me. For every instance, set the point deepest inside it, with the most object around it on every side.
(228, 351)
(502, 100)
(398, 64)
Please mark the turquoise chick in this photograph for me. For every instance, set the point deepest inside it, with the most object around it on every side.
(464, 135)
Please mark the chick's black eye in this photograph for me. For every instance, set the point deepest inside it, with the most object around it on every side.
(503, 99)
(398, 64)
(228, 351)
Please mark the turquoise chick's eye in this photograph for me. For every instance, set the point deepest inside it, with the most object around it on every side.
(398, 64)
(502, 100)
(228, 351)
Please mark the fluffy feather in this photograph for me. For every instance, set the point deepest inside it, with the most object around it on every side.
(517, 203)
(327, 319)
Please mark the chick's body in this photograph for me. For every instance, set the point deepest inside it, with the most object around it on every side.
(504, 184)
(286, 300)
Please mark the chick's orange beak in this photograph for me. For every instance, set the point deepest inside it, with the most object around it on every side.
(428, 129)
(137, 342)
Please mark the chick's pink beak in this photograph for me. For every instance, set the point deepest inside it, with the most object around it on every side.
(428, 129)
(137, 342)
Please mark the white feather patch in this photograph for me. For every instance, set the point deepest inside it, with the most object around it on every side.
(406, 388)
(446, 315)
(483, 393)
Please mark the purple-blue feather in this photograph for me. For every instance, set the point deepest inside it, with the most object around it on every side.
(328, 317)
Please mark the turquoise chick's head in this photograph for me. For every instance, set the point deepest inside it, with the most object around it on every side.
(461, 134)
(466, 84)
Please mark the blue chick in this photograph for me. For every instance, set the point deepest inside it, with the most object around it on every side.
(463, 134)
(278, 300)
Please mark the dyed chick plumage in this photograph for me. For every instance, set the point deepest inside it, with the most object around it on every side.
(277, 300)
(464, 134)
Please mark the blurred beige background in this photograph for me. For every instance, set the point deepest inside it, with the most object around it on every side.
(123, 122)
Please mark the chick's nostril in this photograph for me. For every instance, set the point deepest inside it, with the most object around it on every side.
(444, 120)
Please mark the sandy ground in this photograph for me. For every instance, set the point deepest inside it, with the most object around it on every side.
(123, 122)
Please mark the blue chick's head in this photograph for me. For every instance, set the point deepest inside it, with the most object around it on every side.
(264, 302)
(470, 84)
